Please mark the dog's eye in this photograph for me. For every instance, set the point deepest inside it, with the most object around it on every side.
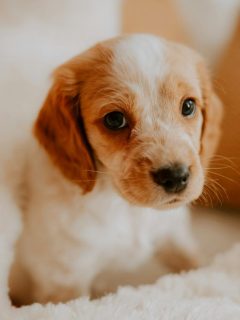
(115, 120)
(188, 108)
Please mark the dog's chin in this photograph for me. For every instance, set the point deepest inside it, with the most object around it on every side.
(159, 200)
(171, 204)
(162, 202)
(176, 201)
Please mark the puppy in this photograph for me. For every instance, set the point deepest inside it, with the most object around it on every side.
(120, 147)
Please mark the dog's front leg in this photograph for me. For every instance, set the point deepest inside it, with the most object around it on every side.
(178, 250)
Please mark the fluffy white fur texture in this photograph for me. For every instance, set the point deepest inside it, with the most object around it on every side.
(206, 294)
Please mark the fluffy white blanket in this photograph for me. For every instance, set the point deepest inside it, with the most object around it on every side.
(210, 293)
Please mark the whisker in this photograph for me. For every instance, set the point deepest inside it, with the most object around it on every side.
(224, 177)
(219, 168)
(230, 160)
(217, 194)
(217, 189)
(202, 200)
(208, 195)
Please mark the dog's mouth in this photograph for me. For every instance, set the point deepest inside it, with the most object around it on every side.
(173, 202)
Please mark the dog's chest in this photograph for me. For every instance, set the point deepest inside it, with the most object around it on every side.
(114, 233)
(121, 236)
(90, 232)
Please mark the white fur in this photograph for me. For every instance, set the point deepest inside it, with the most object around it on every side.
(140, 62)
(69, 240)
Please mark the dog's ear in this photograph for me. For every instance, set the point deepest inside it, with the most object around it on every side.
(212, 112)
(60, 128)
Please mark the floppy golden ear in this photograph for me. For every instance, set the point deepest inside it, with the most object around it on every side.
(212, 115)
(60, 130)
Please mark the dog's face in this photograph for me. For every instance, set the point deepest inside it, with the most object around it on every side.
(139, 108)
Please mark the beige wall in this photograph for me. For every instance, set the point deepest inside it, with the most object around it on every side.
(228, 87)
(153, 16)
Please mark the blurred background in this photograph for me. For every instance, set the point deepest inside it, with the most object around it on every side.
(36, 36)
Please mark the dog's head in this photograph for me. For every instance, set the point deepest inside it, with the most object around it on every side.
(140, 108)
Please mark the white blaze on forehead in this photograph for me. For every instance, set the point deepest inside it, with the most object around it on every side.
(139, 62)
(141, 55)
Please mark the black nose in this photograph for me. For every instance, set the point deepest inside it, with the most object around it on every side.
(173, 179)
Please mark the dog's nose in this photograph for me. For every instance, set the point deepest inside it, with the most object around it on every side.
(173, 179)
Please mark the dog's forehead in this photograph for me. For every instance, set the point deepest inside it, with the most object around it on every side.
(139, 56)
(144, 62)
